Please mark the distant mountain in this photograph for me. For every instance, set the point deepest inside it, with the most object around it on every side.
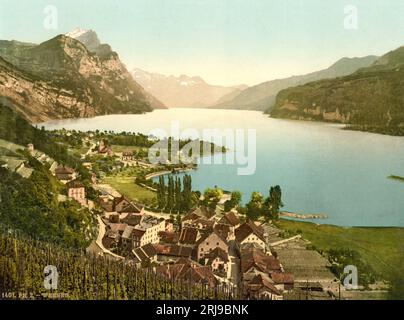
(370, 99)
(183, 91)
(262, 96)
(61, 78)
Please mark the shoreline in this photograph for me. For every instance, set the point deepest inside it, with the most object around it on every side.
(166, 172)
(295, 215)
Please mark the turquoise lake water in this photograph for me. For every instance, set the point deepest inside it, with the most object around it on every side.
(321, 168)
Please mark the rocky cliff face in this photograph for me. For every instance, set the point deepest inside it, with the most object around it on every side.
(371, 98)
(38, 100)
(61, 78)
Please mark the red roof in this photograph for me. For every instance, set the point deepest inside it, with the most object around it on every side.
(188, 271)
(258, 283)
(253, 257)
(117, 227)
(188, 236)
(231, 219)
(64, 170)
(75, 184)
(168, 237)
(243, 231)
(173, 250)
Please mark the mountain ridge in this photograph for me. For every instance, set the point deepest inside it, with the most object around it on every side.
(260, 97)
(370, 99)
(183, 91)
(60, 78)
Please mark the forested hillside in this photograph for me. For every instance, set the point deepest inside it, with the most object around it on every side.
(31, 204)
(371, 99)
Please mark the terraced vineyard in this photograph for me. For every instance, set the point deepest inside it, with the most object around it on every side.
(86, 277)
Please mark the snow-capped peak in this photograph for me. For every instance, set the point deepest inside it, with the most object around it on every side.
(76, 33)
(88, 37)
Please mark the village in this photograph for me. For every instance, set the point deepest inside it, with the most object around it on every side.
(208, 246)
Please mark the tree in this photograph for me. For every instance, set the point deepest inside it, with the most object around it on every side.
(161, 193)
(177, 195)
(187, 193)
(274, 202)
(255, 206)
(178, 221)
(170, 194)
(212, 197)
(234, 201)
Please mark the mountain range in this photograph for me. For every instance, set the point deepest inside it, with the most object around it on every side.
(372, 98)
(262, 96)
(62, 78)
(184, 91)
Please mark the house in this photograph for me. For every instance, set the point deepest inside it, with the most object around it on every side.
(77, 191)
(127, 241)
(217, 260)
(226, 231)
(255, 261)
(199, 223)
(145, 255)
(189, 219)
(131, 219)
(111, 240)
(249, 232)
(114, 217)
(188, 271)
(230, 219)
(203, 224)
(172, 252)
(137, 236)
(208, 242)
(124, 205)
(65, 174)
(168, 237)
(197, 213)
(104, 149)
(188, 236)
(151, 227)
(283, 281)
(261, 288)
(116, 227)
(127, 156)
(145, 232)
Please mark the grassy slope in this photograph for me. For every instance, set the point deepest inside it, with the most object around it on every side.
(128, 187)
(382, 248)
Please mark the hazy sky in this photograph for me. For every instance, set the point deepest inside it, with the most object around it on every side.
(223, 41)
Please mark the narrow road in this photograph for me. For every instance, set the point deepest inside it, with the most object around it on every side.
(97, 245)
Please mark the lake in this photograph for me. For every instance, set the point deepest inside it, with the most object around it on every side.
(321, 168)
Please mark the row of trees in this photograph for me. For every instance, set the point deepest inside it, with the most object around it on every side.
(176, 197)
(257, 207)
